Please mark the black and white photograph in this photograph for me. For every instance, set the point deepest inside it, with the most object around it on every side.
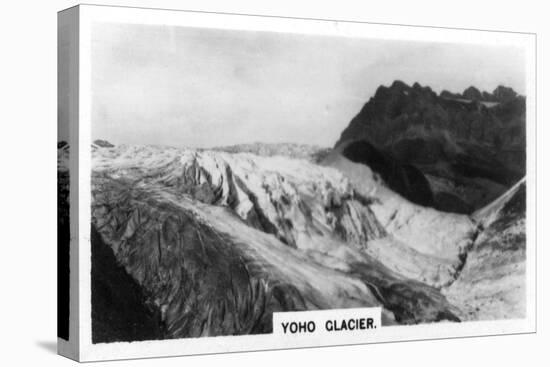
(277, 183)
(241, 174)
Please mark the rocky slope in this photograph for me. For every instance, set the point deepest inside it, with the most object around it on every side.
(470, 147)
(218, 241)
(492, 283)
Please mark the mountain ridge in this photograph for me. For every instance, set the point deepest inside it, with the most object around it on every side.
(470, 146)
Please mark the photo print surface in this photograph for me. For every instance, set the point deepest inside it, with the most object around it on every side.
(239, 173)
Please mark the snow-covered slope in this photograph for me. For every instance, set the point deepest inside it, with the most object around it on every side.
(219, 240)
(291, 150)
(421, 243)
(292, 199)
(489, 280)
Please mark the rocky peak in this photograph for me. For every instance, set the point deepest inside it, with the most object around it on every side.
(449, 95)
(501, 94)
(504, 94)
(472, 93)
(474, 134)
(399, 85)
(400, 88)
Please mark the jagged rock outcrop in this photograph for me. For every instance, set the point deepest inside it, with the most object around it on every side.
(472, 93)
(220, 241)
(503, 94)
(470, 147)
(450, 95)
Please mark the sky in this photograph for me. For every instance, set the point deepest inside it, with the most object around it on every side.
(191, 87)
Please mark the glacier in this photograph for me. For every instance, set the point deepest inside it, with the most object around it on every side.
(219, 239)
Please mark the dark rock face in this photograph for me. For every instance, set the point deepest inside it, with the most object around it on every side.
(504, 94)
(450, 95)
(469, 145)
(447, 202)
(405, 179)
(472, 93)
(119, 310)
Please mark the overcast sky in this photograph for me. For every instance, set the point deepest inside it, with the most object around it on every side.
(204, 87)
